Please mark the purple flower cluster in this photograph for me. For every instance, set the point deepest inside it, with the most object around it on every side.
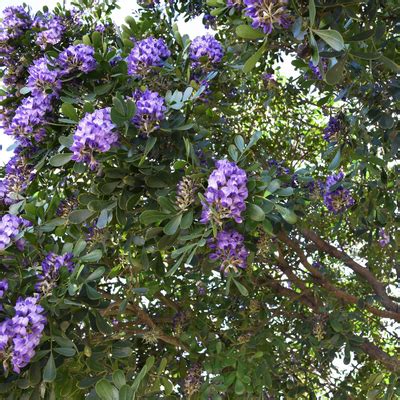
(78, 57)
(228, 248)
(20, 335)
(337, 198)
(333, 128)
(226, 193)
(53, 29)
(147, 53)
(25, 126)
(95, 132)
(234, 3)
(316, 70)
(42, 80)
(316, 189)
(267, 13)
(209, 21)
(10, 227)
(279, 167)
(15, 21)
(150, 110)
(3, 287)
(384, 237)
(208, 48)
(269, 80)
(51, 266)
(18, 176)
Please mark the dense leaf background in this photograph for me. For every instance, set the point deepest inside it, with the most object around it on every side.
(146, 313)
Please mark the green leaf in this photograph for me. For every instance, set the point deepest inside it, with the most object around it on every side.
(254, 139)
(79, 216)
(98, 273)
(335, 162)
(335, 74)
(217, 11)
(314, 49)
(256, 213)
(50, 371)
(249, 33)
(65, 351)
(187, 220)
(311, 12)
(97, 40)
(242, 289)
(69, 111)
(106, 391)
(173, 225)
(239, 387)
(118, 378)
(152, 216)
(252, 61)
(359, 37)
(365, 55)
(60, 159)
(288, 215)
(331, 37)
(66, 141)
(239, 142)
(391, 64)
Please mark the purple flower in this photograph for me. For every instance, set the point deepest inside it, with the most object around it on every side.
(279, 167)
(20, 335)
(150, 110)
(25, 125)
(228, 248)
(226, 193)
(206, 47)
(269, 80)
(337, 198)
(267, 13)
(384, 237)
(209, 21)
(315, 69)
(18, 177)
(147, 53)
(43, 80)
(333, 128)
(78, 57)
(51, 266)
(15, 21)
(3, 287)
(95, 133)
(53, 29)
(234, 3)
(10, 227)
(316, 188)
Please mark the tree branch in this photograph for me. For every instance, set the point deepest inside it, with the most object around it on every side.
(337, 292)
(364, 272)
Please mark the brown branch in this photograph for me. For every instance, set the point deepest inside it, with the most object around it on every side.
(147, 320)
(168, 302)
(334, 290)
(379, 287)
(282, 291)
(288, 271)
(392, 363)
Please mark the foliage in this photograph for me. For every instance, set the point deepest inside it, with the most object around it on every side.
(162, 273)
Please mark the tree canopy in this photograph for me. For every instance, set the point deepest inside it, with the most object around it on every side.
(184, 219)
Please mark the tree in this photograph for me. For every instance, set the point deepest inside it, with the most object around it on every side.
(182, 220)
